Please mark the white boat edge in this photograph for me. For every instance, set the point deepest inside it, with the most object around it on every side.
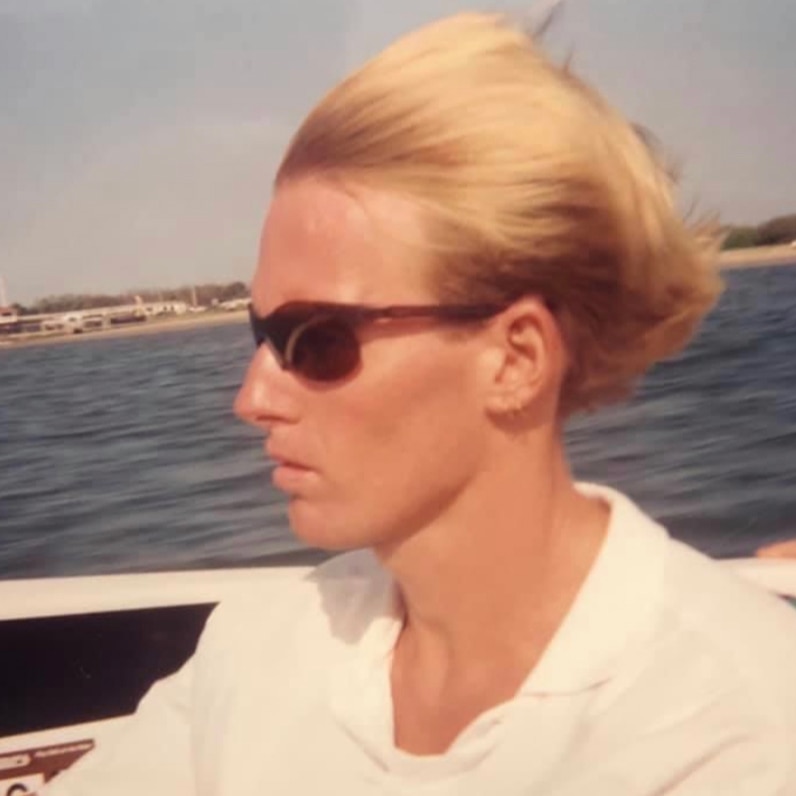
(40, 597)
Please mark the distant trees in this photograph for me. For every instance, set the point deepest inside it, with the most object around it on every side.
(206, 295)
(741, 238)
(234, 290)
(770, 233)
(778, 230)
(76, 301)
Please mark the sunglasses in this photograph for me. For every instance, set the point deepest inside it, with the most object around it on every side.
(319, 340)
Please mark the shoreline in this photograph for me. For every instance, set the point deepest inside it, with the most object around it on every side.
(170, 324)
(758, 257)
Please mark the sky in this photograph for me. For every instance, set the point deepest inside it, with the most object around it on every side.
(138, 139)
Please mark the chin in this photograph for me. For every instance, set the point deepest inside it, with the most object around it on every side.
(320, 528)
(337, 531)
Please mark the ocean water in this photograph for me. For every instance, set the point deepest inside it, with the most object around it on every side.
(121, 454)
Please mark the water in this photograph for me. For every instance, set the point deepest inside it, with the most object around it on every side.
(122, 454)
(708, 445)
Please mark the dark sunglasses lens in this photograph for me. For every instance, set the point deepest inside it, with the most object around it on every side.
(326, 350)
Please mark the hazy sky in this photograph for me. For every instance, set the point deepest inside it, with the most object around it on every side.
(138, 138)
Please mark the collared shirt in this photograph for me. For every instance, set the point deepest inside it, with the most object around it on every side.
(668, 677)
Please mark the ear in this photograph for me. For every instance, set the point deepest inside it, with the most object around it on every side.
(528, 360)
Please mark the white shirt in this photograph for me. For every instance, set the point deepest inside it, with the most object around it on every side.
(668, 677)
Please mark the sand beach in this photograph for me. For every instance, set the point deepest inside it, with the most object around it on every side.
(758, 257)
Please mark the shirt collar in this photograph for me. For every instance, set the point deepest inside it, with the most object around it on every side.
(614, 606)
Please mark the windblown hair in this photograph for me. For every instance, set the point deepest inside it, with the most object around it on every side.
(528, 183)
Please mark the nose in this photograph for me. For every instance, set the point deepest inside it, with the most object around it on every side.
(263, 399)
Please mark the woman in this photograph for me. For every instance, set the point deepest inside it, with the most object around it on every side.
(466, 246)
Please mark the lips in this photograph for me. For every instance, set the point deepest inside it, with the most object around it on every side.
(292, 479)
(284, 459)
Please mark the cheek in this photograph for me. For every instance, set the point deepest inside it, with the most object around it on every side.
(406, 434)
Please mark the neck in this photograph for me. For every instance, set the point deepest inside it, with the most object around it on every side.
(499, 571)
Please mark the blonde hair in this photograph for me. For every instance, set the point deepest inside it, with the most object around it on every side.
(528, 183)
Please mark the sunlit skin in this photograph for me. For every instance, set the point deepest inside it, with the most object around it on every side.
(778, 550)
(442, 453)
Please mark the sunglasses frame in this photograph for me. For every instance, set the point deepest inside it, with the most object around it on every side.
(282, 328)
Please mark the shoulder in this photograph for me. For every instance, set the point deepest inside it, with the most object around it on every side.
(716, 646)
(689, 632)
(718, 691)
(701, 675)
(686, 597)
(743, 634)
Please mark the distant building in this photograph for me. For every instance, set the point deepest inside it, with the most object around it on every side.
(165, 308)
(78, 321)
(103, 317)
(235, 304)
(9, 320)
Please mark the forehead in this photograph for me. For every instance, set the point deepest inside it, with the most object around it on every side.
(322, 242)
